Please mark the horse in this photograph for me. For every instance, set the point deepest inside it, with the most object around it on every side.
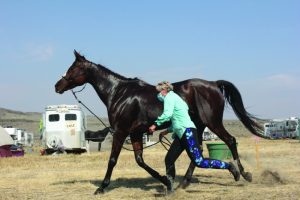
(132, 106)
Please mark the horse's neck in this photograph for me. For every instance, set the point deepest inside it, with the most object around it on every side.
(104, 82)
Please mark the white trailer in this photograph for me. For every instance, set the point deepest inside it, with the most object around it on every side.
(209, 135)
(63, 129)
(13, 133)
(282, 128)
(20, 136)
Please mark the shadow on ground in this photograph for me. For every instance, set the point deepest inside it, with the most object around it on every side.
(147, 183)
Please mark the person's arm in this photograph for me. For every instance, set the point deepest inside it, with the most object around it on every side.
(170, 129)
(167, 113)
(165, 116)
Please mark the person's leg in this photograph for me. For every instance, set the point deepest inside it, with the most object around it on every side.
(191, 144)
(190, 141)
(172, 155)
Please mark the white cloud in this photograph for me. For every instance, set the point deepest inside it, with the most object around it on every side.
(284, 79)
(38, 53)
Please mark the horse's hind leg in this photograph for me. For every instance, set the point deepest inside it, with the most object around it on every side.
(230, 141)
(189, 173)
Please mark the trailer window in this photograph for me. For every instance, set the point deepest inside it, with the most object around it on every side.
(54, 118)
(70, 117)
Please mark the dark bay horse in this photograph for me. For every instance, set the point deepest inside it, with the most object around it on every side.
(132, 106)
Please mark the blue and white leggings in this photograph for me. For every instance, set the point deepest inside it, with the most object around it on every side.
(190, 143)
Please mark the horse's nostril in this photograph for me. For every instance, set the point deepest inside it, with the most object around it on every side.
(56, 90)
(58, 87)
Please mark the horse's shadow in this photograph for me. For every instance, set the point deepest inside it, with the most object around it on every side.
(146, 184)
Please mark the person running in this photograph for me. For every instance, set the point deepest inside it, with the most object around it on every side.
(184, 135)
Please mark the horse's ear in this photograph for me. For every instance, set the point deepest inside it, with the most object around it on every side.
(78, 56)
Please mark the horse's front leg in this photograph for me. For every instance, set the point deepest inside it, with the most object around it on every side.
(137, 144)
(118, 140)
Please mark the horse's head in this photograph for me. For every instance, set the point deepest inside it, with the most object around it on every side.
(75, 76)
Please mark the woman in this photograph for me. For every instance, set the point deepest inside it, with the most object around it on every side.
(184, 134)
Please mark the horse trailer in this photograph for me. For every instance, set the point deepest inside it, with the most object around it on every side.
(282, 128)
(63, 129)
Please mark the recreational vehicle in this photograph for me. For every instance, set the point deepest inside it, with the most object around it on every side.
(282, 128)
(13, 134)
(63, 129)
(20, 136)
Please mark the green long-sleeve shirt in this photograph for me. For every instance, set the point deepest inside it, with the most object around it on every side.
(176, 110)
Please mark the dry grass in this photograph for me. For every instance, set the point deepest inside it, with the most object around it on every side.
(78, 176)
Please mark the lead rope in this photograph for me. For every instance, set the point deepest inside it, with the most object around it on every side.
(74, 94)
(111, 130)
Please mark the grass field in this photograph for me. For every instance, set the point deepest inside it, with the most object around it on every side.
(78, 176)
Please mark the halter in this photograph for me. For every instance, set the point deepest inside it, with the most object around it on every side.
(71, 79)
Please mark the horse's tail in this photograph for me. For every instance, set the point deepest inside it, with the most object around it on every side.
(234, 98)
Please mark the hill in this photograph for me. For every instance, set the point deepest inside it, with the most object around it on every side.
(24, 120)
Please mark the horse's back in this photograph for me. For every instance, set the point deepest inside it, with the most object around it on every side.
(204, 98)
(191, 87)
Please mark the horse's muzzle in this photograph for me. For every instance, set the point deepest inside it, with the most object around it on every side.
(59, 86)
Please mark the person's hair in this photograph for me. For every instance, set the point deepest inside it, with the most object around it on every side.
(164, 85)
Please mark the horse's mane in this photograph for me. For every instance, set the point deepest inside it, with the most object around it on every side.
(108, 71)
(119, 76)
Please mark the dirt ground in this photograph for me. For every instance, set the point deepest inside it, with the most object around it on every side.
(273, 164)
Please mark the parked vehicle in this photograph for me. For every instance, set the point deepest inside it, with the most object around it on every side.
(13, 132)
(282, 128)
(146, 139)
(20, 136)
(63, 129)
(209, 135)
(7, 146)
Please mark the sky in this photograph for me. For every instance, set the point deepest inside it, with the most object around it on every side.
(253, 44)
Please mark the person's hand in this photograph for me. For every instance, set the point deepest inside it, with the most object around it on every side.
(152, 128)
(162, 134)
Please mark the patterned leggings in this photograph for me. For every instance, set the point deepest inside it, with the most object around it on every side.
(189, 142)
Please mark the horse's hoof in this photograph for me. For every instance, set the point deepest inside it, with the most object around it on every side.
(247, 176)
(99, 191)
(170, 193)
(170, 185)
